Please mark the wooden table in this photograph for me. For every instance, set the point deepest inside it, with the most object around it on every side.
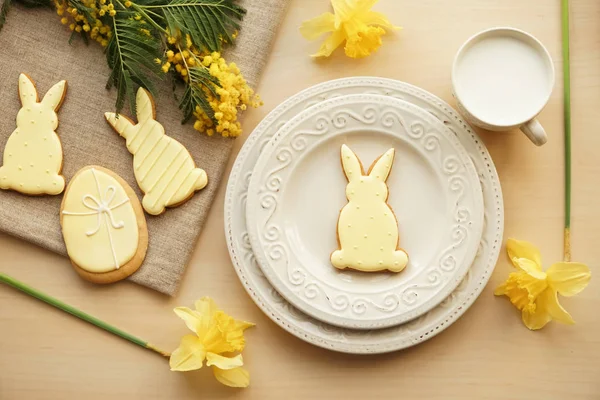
(487, 354)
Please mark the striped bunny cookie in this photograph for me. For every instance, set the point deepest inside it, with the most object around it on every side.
(163, 167)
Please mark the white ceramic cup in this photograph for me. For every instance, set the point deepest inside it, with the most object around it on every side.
(502, 78)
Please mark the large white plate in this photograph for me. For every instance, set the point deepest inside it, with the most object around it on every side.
(348, 340)
(297, 190)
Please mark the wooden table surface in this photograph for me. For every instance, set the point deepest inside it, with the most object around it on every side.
(487, 354)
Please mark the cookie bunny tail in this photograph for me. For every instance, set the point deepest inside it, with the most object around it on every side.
(201, 178)
(3, 183)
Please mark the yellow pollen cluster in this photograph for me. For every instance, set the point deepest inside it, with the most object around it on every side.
(78, 22)
(233, 95)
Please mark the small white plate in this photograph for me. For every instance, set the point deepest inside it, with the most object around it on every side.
(298, 187)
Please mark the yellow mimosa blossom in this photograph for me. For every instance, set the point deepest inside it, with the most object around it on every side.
(226, 99)
(352, 21)
(534, 292)
(79, 22)
(216, 335)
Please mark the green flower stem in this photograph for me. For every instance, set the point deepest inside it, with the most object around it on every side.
(78, 313)
(567, 127)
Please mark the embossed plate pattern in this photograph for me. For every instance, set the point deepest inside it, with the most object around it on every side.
(341, 339)
(297, 189)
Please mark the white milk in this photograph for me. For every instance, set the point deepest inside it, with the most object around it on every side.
(503, 80)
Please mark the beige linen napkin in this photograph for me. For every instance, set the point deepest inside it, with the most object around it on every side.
(34, 42)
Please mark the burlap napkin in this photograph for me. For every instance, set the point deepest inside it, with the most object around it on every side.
(34, 42)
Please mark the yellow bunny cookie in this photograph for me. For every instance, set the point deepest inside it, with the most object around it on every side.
(164, 169)
(367, 227)
(33, 153)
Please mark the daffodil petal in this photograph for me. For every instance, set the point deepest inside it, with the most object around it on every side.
(500, 290)
(549, 302)
(529, 267)
(520, 249)
(343, 10)
(191, 318)
(205, 310)
(313, 28)
(330, 44)
(189, 355)
(236, 377)
(377, 18)
(364, 5)
(206, 306)
(222, 362)
(569, 278)
(243, 325)
(535, 320)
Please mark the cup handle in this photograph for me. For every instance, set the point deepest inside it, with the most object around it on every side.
(535, 132)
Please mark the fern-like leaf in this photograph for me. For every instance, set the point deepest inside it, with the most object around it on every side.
(130, 54)
(6, 4)
(199, 81)
(208, 22)
(4, 12)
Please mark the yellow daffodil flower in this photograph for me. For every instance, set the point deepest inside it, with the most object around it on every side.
(534, 292)
(352, 22)
(216, 336)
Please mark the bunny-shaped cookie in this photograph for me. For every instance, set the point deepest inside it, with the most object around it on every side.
(367, 227)
(164, 169)
(33, 153)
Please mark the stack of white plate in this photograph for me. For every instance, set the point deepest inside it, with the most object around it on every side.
(287, 188)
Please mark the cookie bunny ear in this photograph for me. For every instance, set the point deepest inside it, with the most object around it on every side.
(54, 97)
(119, 123)
(144, 105)
(27, 92)
(382, 167)
(351, 164)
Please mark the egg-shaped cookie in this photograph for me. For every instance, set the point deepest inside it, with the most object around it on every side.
(103, 226)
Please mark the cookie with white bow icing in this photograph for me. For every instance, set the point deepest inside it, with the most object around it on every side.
(103, 226)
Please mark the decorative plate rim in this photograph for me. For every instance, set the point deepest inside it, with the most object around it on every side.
(303, 289)
(294, 322)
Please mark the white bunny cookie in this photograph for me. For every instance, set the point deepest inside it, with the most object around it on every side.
(164, 169)
(33, 154)
(367, 227)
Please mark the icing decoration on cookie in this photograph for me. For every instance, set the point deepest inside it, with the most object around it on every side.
(367, 227)
(163, 167)
(99, 224)
(33, 153)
